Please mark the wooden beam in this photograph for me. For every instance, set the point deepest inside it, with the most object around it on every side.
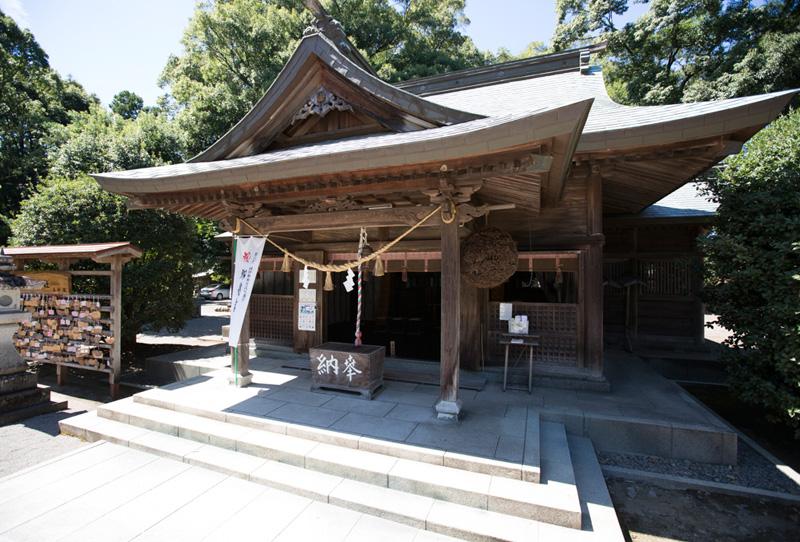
(87, 273)
(449, 405)
(378, 218)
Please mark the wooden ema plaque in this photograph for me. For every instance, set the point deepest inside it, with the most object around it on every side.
(343, 366)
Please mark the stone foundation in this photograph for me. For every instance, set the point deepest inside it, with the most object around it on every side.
(20, 394)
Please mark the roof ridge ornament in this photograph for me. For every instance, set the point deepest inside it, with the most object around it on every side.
(321, 102)
(325, 25)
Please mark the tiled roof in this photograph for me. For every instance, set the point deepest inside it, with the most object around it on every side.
(605, 116)
(480, 135)
(687, 201)
(88, 250)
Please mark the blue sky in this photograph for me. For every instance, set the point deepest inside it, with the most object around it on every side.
(113, 45)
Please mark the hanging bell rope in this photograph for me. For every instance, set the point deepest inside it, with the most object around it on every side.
(337, 268)
(362, 242)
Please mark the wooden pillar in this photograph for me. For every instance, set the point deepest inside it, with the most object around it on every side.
(240, 361)
(449, 405)
(116, 325)
(305, 340)
(593, 280)
(470, 352)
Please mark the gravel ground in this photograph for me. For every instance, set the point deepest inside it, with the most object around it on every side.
(34, 440)
(753, 470)
(651, 514)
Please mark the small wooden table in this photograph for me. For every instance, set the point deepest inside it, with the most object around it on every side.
(519, 339)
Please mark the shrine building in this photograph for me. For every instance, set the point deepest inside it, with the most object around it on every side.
(534, 150)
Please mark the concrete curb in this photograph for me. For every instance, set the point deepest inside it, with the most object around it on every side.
(668, 481)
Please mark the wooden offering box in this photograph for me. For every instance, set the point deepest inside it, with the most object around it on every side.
(343, 366)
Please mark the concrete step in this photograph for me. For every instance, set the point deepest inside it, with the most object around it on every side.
(557, 503)
(529, 469)
(419, 511)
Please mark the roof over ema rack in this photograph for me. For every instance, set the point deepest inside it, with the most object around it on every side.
(98, 252)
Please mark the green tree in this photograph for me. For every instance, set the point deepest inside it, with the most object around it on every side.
(753, 268)
(157, 288)
(688, 50)
(233, 50)
(33, 98)
(127, 104)
(97, 141)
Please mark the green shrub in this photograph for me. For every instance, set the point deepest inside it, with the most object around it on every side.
(156, 288)
(753, 269)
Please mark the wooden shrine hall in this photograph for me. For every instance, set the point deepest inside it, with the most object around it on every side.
(533, 148)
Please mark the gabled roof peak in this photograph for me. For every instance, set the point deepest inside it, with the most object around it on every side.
(320, 73)
(332, 29)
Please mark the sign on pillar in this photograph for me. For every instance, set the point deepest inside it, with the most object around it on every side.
(246, 263)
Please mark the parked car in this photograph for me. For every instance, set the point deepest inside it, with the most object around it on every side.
(216, 291)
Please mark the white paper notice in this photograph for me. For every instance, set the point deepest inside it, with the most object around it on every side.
(307, 295)
(505, 311)
(248, 258)
(307, 316)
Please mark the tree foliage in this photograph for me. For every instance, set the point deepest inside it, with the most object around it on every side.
(127, 104)
(157, 288)
(32, 99)
(97, 140)
(233, 50)
(688, 50)
(753, 268)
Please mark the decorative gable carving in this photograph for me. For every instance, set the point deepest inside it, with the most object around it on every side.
(321, 103)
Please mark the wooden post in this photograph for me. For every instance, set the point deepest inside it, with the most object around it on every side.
(449, 405)
(240, 361)
(593, 280)
(305, 340)
(116, 325)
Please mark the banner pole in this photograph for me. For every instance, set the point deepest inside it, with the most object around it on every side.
(235, 348)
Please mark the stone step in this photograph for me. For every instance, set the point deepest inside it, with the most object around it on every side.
(529, 469)
(419, 511)
(556, 502)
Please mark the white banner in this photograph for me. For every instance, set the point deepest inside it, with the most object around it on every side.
(248, 258)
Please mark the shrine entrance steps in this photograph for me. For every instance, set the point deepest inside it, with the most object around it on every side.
(556, 493)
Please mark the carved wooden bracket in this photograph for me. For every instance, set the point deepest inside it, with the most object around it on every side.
(329, 205)
(321, 102)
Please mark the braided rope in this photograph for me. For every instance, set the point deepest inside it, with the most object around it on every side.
(362, 241)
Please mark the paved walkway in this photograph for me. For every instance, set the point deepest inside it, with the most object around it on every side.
(494, 422)
(110, 493)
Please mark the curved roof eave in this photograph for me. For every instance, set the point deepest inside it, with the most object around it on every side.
(482, 136)
(320, 46)
(669, 124)
(613, 126)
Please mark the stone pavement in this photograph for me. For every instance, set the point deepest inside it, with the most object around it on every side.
(108, 493)
(643, 412)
